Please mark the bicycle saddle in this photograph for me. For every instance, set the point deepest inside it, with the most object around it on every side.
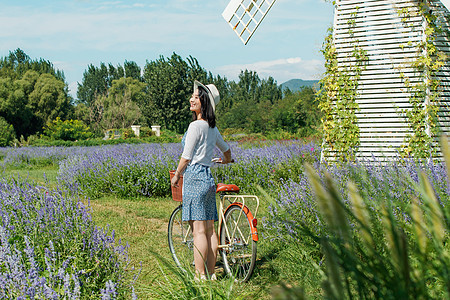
(227, 188)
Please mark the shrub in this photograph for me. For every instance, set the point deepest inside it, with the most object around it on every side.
(128, 170)
(128, 133)
(7, 133)
(146, 132)
(68, 130)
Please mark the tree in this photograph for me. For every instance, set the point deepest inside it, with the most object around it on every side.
(48, 100)
(259, 118)
(7, 134)
(248, 103)
(310, 113)
(285, 114)
(97, 80)
(246, 89)
(169, 86)
(95, 83)
(18, 63)
(19, 77)
(121, 106)
(298, 112)
(132, 70)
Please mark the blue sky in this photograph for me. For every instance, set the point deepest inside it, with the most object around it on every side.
(74, 34)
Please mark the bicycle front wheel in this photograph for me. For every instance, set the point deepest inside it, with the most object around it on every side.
(239, 249)
(181, 241)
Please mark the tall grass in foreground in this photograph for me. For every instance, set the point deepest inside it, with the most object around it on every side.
(380, 249)
(173, 283)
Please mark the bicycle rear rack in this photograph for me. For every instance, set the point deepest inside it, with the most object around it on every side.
(241, 201)
(242, 198)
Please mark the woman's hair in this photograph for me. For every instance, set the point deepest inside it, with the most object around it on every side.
(207, 109)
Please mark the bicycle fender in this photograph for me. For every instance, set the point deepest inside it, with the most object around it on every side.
(250, 218)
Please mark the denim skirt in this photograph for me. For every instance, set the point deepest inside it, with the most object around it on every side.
(199, 194)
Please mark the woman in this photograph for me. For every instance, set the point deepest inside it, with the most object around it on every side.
(199, 198)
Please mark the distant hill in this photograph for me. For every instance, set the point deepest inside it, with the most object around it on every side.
(295, 84)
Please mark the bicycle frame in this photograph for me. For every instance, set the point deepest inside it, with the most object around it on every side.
(239, 200)
(245, 210)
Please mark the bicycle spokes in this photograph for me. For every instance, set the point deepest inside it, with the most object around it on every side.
(181, 243)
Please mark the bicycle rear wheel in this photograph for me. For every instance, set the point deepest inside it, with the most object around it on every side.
(239, 252)
(181, 242)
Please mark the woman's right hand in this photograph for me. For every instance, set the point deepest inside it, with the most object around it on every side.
(222, 161)
(227, 157)
(175, 179)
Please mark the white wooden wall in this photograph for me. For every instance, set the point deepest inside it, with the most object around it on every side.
(382, 93)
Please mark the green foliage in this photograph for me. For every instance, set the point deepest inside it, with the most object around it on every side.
(169, 86)
(163, 91)
(249, 103)
(375, 246)
(338, 100)
(48, 100)
(120, 109)
(128, 133)
(43, 142)
(408, 260)
(97, 80)
(6, 133)
(424, 100)
(17, 63)
(31, 93)
(145, 132)
(298, 112)
(68, 130)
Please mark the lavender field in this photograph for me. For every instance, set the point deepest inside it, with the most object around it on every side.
(51, 249)
(39, 225)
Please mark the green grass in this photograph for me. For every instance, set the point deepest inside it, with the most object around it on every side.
(142, 223)
(43, 176)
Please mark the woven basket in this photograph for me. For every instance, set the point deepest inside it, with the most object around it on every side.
(177, 191)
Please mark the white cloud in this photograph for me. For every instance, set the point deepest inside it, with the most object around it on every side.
(281, 70)
(102, 30)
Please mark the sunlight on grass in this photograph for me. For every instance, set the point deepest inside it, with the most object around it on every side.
(44, 176)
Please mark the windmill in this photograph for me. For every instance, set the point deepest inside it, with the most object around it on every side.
(244, 16)
(392, 43)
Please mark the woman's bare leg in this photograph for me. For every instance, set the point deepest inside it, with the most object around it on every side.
(212, 247)
(200, 245)
(205, 246)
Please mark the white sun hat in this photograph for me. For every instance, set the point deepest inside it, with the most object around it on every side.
(213, 93)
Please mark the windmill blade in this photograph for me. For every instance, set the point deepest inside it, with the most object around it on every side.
(244, 16)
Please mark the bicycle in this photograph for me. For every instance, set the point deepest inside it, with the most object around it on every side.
(237, 234)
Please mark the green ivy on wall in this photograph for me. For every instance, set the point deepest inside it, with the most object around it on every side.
(424, 95)
(337, 99)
